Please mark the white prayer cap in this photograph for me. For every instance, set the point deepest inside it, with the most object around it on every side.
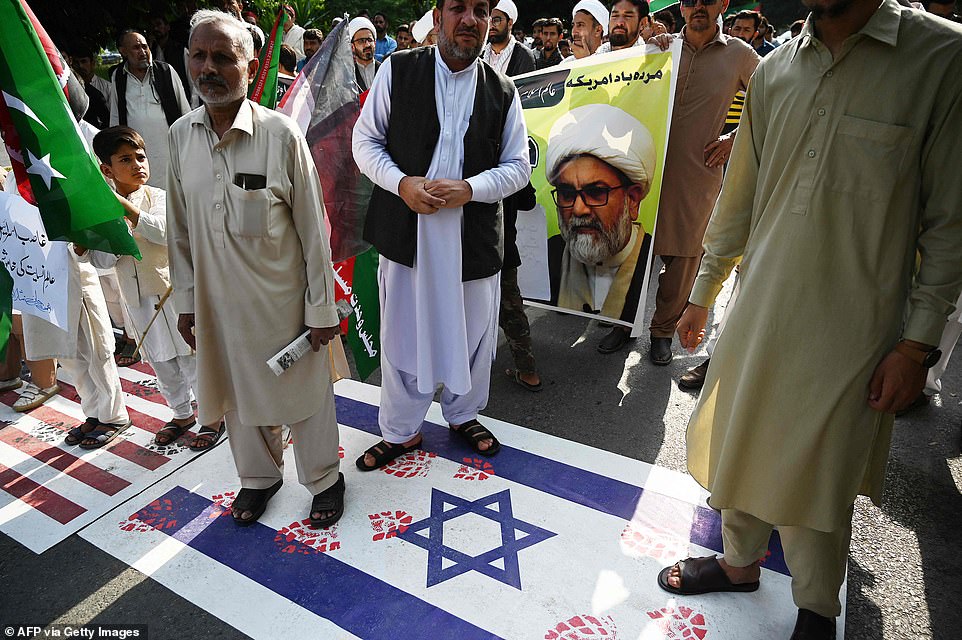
(359, 23)
(423, 26)
(596, 10)
(509, 8)
(609, 134)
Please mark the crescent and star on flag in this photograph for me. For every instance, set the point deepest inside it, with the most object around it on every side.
(38, 166)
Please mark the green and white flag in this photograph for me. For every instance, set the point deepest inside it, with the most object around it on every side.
(263, 90)
(54, 166)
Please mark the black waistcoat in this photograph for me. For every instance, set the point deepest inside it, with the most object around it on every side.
(413, 131)
(163, 83)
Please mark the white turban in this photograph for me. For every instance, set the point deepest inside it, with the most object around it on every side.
(509, 9)
(596, 10)
(423, 27)
(359, 23)
(609, 134)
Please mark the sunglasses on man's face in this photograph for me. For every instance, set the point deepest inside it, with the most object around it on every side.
(692, 3)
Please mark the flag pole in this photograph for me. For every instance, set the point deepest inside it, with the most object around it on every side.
(157, 309)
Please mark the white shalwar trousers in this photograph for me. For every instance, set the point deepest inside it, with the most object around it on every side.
(403, 406)
(176, 379)
(96, 380)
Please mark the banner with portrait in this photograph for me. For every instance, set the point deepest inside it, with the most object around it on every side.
(597, 135)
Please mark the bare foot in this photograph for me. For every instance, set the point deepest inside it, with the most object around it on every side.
(369, 459)
(737, 575)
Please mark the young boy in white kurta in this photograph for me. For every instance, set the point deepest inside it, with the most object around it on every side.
(123, 158)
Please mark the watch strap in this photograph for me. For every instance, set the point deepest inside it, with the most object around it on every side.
(918, 356)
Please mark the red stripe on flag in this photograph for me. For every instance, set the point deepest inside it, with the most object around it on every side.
(57, 458)
(144, 421)
(40, 498)
(143, 367)
(125, 449)
(143, 391)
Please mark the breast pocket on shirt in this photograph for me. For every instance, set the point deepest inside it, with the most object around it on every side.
(867, 158)
(250, 212)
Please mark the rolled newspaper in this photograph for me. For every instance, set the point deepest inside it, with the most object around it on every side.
(286, 357)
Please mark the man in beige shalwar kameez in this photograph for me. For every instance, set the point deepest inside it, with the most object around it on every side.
(836, 183)
(251, 267)
(712, 68)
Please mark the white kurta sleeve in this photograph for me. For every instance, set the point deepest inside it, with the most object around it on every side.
(179, 92)
(514, 165)
(112, 101)
(178, 237)
(99, 259)
(307, 212)
(370, 134)
(152, 224)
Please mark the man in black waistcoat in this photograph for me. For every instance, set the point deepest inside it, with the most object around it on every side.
(147, 96)
(442, 137)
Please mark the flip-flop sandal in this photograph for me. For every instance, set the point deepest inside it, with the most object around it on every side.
(171, 432)
(384, 452)
(253, 500)
(76, 435)
(331, 499)
(702, 575)
(474, 432)
(126, 356)
(208, 436)
(515, 375)
(103, 434)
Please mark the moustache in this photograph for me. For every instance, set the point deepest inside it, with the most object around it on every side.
(468, 32)
(578, 224)
(217, 80)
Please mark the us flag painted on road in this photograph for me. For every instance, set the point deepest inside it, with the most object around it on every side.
(49, 490)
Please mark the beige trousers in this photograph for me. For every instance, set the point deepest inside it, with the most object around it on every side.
(674, 286)
(259, 451)
(816, 559)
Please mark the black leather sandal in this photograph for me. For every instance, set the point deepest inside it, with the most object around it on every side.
(383, 453)
(253, 500)
(330, 500)
(474, 432)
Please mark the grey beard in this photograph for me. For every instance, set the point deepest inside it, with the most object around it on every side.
(232, 96)
(592, 250)
(452, 50)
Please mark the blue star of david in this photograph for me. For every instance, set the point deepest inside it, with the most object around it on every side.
(508, 551)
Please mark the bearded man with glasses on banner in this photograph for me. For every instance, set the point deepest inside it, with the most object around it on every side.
(601, 161)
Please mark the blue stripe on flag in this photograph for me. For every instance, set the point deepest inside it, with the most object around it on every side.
(573, 484)
(350, 598)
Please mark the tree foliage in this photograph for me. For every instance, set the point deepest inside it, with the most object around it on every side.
(96, 24)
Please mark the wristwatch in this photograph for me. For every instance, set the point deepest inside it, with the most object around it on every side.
(927, 359)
